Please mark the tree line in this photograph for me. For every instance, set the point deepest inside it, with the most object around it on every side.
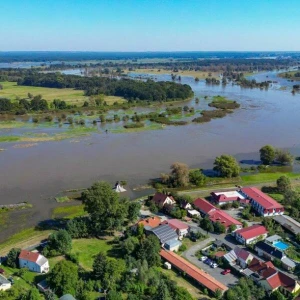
(127, 88)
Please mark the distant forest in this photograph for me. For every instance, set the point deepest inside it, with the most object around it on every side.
(131, 90)
(46, 56)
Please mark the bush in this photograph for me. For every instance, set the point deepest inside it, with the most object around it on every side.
(134, 125)
(182, 248)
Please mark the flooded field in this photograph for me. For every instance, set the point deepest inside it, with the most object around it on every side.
(40, 171)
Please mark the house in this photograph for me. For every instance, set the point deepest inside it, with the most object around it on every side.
(181, 228)
(4, 283)
(265, 274)
(172, 245)
(225, 219)
(250, 234)
(164, 233)
(203, 206)
(186, 205)
(262, 203)
(200, 277)
(193, 213)
(238, 256)
(34, 261)
(215, 214)
(226, 197)
(288, 223)
(270, 252)
(161, 200)
(119, 188)
(148, 223)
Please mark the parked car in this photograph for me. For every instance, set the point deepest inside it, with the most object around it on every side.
(2, 271)
(203, 258)
(208, 261)
(214, 265)
(11, 280)
(226, 271)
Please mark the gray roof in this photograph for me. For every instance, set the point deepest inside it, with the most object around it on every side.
(41, 260)
(247, 272)
(173, 243)
(67, 297)
(288, 262)
(270, 249)
(164, 233)
(273, 238)
(3, 280)
(288, 223)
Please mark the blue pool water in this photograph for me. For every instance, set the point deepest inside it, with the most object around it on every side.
(281, 245)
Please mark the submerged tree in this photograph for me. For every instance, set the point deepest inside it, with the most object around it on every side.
(227, 166)
(267, 154)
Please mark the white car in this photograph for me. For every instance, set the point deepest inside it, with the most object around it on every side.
(214, 265)
(203, 258)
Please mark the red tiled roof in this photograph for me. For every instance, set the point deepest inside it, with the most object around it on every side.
(219, 253)
(215, 214)
(223, 198)
(263, 269)
(280, 279)
(203, 278)
(264, 200)
(252, 231)
(152, 221)
(29, 256)
(176, 224)
(203, 205)
(224, 218)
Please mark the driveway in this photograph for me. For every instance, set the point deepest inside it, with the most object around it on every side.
(229, 280)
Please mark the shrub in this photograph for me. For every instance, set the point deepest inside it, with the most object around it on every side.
(182, 248)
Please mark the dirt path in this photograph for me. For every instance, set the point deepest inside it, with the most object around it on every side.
(25, 243)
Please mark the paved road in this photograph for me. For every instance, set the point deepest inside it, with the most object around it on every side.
(229, 279)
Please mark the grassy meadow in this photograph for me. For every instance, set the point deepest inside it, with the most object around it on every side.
(13, 91)
(199, 74)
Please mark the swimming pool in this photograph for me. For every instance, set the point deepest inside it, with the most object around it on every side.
(281, 245)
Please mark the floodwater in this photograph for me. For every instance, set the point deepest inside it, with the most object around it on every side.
(36, 174)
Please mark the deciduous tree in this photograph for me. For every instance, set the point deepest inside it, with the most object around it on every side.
(226, 166)
(63, 278)
(283, 184)
(267, 154)
(12, 258)
(107, 211)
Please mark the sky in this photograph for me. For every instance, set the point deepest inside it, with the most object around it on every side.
(150, 25)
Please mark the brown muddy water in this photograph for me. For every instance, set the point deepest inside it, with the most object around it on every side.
(36, 174)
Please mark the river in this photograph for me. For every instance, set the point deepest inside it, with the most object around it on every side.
(36, 174)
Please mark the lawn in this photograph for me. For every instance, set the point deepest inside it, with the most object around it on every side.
(13, 91)
(266, 177)
(87, 249)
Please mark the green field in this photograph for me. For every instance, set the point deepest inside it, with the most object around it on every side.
(266, 177)
(13, 91)
(87, 249)
(70, 212)
(290, 75)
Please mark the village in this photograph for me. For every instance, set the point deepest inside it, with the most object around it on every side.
(212, 245)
